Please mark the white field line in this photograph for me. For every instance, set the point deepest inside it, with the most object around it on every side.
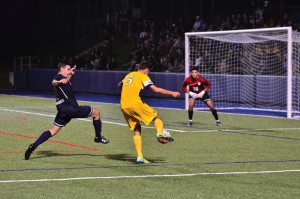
(252, 115)
(93, 102)
(83, 119)
(278, 129)
(150, 127)
(123, 124)
(150, 176)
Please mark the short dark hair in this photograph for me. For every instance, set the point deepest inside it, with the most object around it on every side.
(194, 68)
(144, 64)
(61, 65)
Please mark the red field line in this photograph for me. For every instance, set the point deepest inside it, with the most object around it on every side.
(51, 151)
(13, 119)
(53, 141)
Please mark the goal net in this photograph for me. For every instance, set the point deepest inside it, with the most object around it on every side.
(253, 71)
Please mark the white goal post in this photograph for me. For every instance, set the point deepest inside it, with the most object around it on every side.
(250, 70)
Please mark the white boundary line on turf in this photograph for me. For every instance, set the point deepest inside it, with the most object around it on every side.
(82, 119)
(252, 115)
(150, 176)
(93, 102)
(123, 124)
(277, 129)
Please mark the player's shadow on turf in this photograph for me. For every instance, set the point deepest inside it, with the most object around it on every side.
(178, 124)
(129, 158)
(45, 154)
(119, 157)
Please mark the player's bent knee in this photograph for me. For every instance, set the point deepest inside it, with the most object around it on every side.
(156, 117)
(138, 127)
(54, 130)
(96, 113)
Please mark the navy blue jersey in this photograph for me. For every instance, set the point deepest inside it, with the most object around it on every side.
(67, 105)
(64, 94)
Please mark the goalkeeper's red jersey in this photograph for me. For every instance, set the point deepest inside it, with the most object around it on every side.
(195, 85)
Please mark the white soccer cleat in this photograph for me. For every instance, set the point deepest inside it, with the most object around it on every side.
(165, 137)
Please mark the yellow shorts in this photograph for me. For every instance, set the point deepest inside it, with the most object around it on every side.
(142, 113)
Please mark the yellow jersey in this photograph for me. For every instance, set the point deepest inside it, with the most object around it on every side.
(133, 83)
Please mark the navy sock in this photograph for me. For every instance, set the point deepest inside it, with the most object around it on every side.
(190, 115)
(98, 127)
(43, 138)
(215, 114)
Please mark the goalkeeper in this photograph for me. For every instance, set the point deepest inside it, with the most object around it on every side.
(198, 87)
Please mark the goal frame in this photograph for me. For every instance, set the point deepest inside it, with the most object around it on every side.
(289, 56)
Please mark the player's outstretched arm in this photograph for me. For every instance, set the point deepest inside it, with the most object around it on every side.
(72, 72)
(65, 80)
(164, 91)
(55, 83)
(120, 84)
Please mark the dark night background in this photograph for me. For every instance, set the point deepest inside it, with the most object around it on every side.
(51, 27)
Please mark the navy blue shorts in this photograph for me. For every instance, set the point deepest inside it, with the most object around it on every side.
(205, 97)
(66, 113)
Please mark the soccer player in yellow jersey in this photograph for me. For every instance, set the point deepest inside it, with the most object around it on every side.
(135, 111)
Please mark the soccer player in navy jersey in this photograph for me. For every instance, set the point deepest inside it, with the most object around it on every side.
(67, 109)
(198, 87)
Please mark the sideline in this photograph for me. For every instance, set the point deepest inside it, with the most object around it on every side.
(82, 119)
(150, 176)
(172, 130)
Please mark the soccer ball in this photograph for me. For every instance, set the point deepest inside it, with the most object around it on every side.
(165, 137)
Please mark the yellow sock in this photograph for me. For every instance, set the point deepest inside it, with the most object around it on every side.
(137, 140)
(159, 126)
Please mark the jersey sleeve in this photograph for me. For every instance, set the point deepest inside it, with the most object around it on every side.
(58, 77)
(184, 85)
(146, 81)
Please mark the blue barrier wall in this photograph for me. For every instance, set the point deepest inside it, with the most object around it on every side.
(98, 82)
(21, 79)
(224, 87)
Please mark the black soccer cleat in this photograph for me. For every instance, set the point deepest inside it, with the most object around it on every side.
(29, 151)
(218, 123)
(189, 124)
(101, 139)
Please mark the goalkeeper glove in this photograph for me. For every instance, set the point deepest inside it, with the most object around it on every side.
(192, 94)
(200, 95)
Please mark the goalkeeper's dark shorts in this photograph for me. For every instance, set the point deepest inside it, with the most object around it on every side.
(66, 113)
(205, 97)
